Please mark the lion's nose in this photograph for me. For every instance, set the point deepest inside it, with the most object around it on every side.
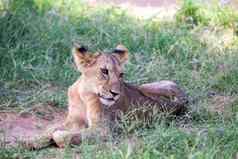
(114, 94)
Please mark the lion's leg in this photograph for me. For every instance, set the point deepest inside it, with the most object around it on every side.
(63, 138)
(74, 121)
(75, 118)
(162, 88)
(61, 133)
(168, 90)
(42, 140)
(72, 125)
(97, 127)
(69, 132)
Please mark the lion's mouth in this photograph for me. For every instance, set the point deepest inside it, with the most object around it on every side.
(106, 100)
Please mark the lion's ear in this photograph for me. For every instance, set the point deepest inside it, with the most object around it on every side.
(121, 52)
(82, 57)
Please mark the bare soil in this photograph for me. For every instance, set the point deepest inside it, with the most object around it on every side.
(20, 126)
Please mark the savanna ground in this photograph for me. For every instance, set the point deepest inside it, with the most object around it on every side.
(198, 49)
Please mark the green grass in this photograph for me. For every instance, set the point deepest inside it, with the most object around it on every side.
(35, 45)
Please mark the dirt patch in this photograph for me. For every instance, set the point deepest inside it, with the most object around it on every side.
(19, 126)
(143, 8)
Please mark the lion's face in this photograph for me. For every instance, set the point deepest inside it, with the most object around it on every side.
(102, 72)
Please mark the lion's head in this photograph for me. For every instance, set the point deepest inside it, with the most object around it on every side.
(102, 72)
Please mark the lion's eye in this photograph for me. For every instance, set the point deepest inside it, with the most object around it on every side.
(121, 75)
(104, 71)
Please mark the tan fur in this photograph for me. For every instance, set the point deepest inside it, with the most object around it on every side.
(97, 98)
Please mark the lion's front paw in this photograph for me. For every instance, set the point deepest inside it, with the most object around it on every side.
(63, 138)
